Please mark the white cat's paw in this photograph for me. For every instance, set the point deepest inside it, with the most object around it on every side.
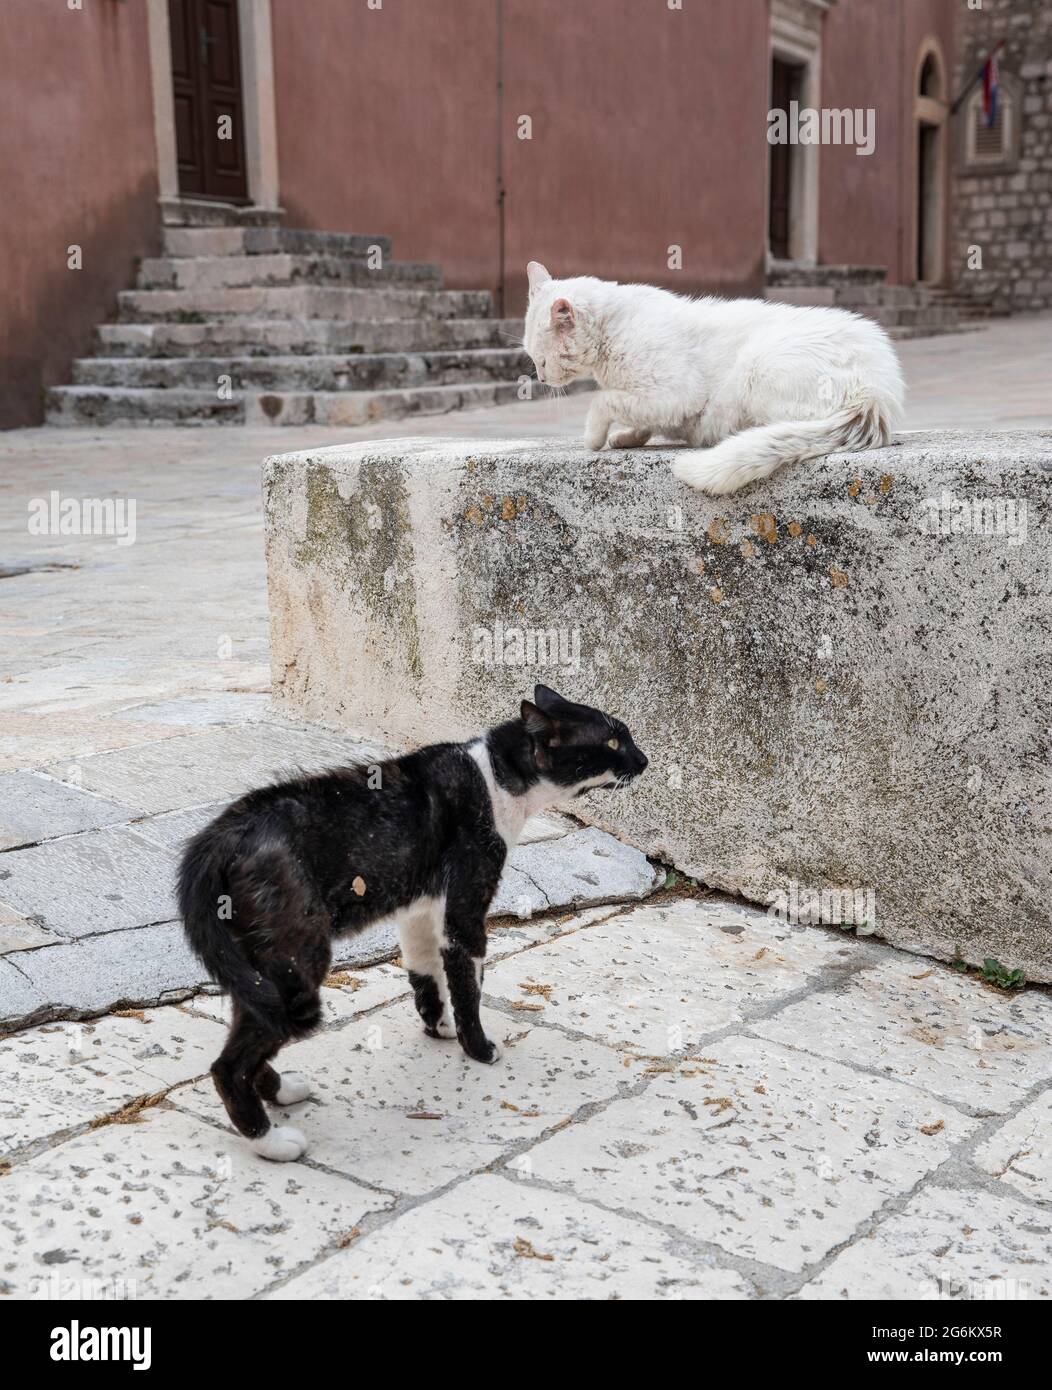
(628, 438)
(281, 1144)
(594, 440)
(293, 1089)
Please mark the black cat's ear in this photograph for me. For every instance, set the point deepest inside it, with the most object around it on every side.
(547, 699)
(537, 723)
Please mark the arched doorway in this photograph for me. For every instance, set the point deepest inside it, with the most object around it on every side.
(930, 112)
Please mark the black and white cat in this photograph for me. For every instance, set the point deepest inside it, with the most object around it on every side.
(265, 887)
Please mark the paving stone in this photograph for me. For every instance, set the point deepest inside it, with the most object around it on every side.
(927, 1025)
(171, 831)
(947, 1243)
(168, 1207)
(493, 1237)
(97, 973)
(222, 707)
(361, 991)
(517, 896)
(34, 807)
(658, 978)
(61, 1075)
(1020, 1152)
(506, 938)
(18, 933)
(372, 1076)
(100, 881)
(215, 765)
(769, 1153)
(377, 943)
(584, 866)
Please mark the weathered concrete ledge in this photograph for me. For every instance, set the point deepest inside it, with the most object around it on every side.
(841, 675)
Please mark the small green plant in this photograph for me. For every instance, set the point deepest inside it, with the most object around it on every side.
(959, 963)
(994, 973)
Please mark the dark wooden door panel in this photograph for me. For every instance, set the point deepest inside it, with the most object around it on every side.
(206, 86)
(780, 157)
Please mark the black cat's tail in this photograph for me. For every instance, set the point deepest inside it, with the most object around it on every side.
(206, 904)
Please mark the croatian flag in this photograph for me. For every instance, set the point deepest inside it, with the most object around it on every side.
(991, 84)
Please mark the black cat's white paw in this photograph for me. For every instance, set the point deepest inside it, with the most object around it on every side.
(281, 1144)
(293, 1089)
(444, 1028)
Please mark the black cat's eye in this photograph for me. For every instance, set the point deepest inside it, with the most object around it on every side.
(613, 743)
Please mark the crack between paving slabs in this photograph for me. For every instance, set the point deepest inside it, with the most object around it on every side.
(761, 1276)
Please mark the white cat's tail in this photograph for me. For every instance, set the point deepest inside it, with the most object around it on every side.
(757, 452)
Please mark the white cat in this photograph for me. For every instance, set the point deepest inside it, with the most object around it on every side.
(756, 384)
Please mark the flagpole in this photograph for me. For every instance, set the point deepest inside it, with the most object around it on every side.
(978, 76)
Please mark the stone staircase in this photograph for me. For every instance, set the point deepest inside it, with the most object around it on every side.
(906, 311)
(244, 321)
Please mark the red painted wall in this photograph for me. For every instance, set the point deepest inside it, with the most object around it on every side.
(648, 131)
(869, 53)
(387, 124)
(77, 165)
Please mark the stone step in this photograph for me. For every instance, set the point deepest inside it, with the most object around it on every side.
(313, 337)
(349, 372)
(923, 331)
(892, 306)
(261, 241)
(236, 272)
(850, 296)
(200, 212)
(300, 302)
(826, 274)
(101, 405)
(129, 407)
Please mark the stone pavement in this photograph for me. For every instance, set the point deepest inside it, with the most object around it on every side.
(871, 1124)
(695, 1101)
(88, 919)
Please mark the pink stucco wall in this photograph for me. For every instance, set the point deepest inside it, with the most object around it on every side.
(648, 131)
(77, 166)
(869, 54)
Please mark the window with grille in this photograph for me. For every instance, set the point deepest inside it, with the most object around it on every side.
(993, 144)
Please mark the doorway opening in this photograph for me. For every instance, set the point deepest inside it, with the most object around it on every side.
(787, 85)
(208, 100)
(930, 154)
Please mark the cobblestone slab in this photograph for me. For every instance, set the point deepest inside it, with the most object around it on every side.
(495, 1238)
(584, 866)
(18, 933)
(660, 977)
(36, 808)
(407, 1113)
(143, 965)
(97, 882)
(351, 992)
(164, 1208)
(1020, 1152)
(925, 1024)
(947, 1244)
(214, 765)
(766, 1152)
(224, 707)
(62, 1075)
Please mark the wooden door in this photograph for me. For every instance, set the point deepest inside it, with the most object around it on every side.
(206, 83)
(782, 88)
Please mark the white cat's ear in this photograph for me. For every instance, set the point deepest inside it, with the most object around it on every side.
(537, 276)
(562, 316)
